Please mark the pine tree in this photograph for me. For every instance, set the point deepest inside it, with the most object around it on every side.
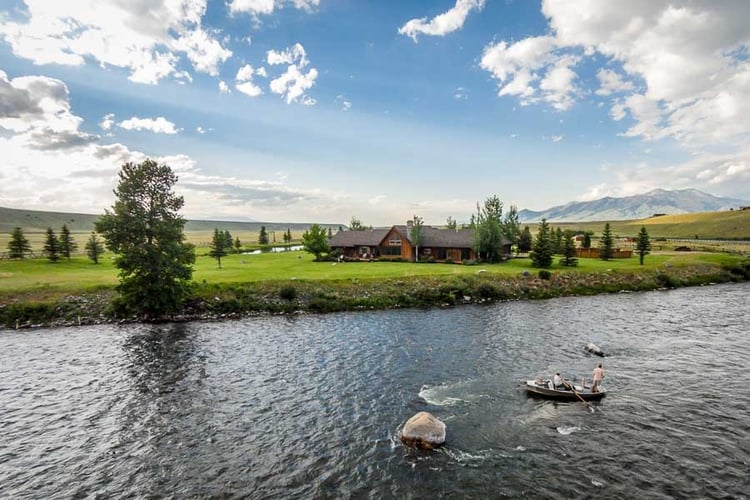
(525, 240)
(237, 245)
(218, 246)
(94, 248)
(542, 250)
(67, 245)
(607, 243)
(568, 250)
(52, 246)
(18, 246)
(263, 236)
(643, 244)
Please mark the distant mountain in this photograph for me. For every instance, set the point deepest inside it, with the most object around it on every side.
(39, 221)
(641, 206)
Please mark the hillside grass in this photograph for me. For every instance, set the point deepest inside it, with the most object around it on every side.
(728, 225)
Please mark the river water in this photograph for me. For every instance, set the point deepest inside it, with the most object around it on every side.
(311, 406)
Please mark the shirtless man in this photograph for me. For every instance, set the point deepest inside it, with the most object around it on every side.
(598, 376)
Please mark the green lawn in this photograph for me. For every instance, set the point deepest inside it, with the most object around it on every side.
(40, 277)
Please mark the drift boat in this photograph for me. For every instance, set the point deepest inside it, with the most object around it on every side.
(546, 389)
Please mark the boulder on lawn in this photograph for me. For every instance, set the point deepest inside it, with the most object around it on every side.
(423, 430)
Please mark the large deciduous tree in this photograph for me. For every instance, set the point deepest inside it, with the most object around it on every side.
(314, 241)
(18, 246)
(542, 250)
(643, 244)
(488, 229)
(146, 232)
(606, 243)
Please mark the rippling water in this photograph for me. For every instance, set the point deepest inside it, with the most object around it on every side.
(311, 406)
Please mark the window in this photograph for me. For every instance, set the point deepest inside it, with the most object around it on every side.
(394, 242)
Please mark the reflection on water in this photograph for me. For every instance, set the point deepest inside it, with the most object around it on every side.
(311, 406)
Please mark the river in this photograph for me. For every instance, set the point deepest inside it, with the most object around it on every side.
(311, 406)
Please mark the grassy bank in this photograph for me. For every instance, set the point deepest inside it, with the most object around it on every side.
(36, 292)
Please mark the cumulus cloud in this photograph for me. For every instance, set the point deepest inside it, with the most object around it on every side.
(159, 125)
(442, 24)
(245, 81)
(671, 70)
(149, 39)
(107, 121)
(257, 8)
(343, 102)
(224, 88)
(293, 83)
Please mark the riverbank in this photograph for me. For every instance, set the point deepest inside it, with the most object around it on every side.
(233, 300)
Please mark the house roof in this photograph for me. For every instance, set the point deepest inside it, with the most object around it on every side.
(370, 238)
(431, 237)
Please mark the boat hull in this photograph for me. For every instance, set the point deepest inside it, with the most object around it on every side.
(542, 389)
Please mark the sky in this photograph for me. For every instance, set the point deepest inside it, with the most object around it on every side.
(325, 110)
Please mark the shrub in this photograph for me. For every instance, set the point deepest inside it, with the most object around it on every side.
(288, 292)
(544, 274)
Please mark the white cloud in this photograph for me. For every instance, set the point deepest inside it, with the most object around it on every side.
(249, 88)
(557, 138)
(224, 88)
(343, 102)
(200, 130)
(159, 125)
(693, 77)
(611, 82)
(293, 83)
(107, 121)
(146, 38)
(261, 72)
(293, 55)
(461, 94)
(267, 7)
(442, 24)
(245, 83)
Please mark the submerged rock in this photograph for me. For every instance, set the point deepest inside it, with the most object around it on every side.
(423, 430)
(594, 349)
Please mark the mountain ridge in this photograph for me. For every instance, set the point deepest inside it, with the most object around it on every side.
(641, 206)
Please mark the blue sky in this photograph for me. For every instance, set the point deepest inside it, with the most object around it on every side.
(324, 110)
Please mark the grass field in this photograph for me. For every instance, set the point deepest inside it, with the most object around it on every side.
(40, 277)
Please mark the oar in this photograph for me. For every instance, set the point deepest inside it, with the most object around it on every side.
(570, 386)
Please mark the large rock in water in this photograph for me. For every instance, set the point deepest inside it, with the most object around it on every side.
(423, 430)
(594, 349)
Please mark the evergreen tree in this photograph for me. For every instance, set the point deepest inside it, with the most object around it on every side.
(568, 250)
(145, 230)
(330, 233)
(511, 227)
(228, 241)
(415, 234)
(643, 244)
(586, 243)
(607, 243)
(314, 241)
(525, 240)
(218, 246)
(263, 236)
(18, 246)
(67, 245)
(237, 245)
(52, 246)
(94, 248)
(542, 250)
(558, 240)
